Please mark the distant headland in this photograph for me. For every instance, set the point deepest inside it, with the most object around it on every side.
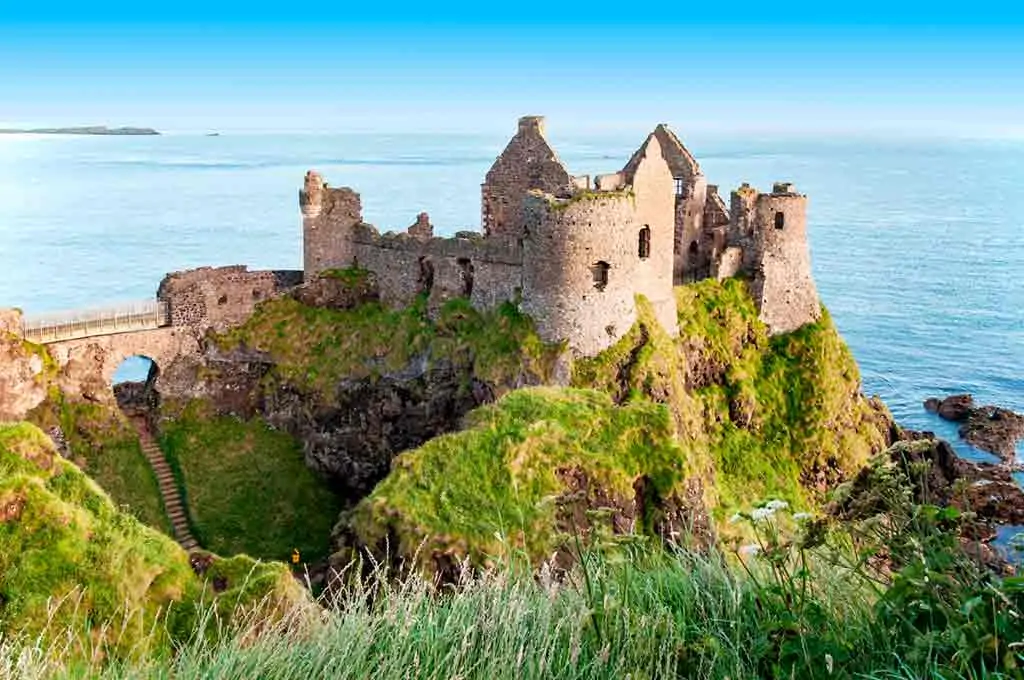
(89, 130)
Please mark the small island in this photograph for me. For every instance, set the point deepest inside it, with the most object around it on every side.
(101, 130)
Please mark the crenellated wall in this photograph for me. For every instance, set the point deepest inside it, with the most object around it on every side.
(487, 271)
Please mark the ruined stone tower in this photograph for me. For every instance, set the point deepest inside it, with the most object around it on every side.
(782, 285)
(586, 257)
(329, 218)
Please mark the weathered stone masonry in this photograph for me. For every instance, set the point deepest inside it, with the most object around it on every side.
(574, 252)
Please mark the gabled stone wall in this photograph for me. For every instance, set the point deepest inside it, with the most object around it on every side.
(528, 163)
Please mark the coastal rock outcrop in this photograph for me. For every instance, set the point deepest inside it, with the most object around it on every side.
(24, 378)
(990, 428)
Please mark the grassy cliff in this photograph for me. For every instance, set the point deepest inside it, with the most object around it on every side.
(744, 416)
(77, 571)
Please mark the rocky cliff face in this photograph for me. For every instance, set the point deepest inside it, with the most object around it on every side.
(25, 376)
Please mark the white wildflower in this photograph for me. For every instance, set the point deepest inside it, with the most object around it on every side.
(777, 505)
(829, 663)
(750, 550)
(801, 516)
(760, 514)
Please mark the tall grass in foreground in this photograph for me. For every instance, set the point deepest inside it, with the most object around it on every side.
(639, 616)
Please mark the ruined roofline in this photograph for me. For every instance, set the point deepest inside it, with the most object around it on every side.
(528, 125)
(679, 159)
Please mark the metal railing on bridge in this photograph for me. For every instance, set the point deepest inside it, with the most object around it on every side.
(57, 326)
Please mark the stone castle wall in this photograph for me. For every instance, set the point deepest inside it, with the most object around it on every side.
(10, 321)
(220, 297)
(486, 271)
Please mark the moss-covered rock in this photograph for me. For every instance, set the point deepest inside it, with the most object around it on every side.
(527, 475)
(72, 564)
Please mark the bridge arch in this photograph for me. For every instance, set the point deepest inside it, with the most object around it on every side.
(91, 363)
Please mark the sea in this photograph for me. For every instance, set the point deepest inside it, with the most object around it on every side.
(917, 244)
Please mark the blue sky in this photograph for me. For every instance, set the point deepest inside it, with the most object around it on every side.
(772, 67)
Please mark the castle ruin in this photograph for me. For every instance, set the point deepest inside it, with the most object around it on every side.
(575, 251)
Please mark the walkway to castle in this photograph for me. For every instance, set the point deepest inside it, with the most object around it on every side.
(85, 323)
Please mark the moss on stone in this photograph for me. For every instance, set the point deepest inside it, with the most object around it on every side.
(75, 570)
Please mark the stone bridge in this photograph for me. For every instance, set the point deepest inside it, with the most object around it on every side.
(90, 345)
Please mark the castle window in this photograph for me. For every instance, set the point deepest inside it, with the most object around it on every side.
(680, 186)
(466, 275)
(222, 300)
(644, 245)
(780, 220)
(599, 270)
(426, 277)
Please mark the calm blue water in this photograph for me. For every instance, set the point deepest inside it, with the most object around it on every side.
(918, 247)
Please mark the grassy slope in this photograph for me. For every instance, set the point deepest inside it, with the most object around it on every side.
(102, 443)
(71, 561)
(248, 489)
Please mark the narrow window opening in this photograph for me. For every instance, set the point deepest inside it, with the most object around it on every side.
(466, 275)
(644, 245)
(222, 300)
(680, 186)
(426, 277)
(599, 270)
(780, 220)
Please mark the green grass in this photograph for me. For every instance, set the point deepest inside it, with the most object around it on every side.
(676, 615)
(77, 571)
(502, 483)
(106, 447)
(247, 487)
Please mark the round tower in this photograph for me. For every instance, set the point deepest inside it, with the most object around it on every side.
(579, 268)
(783, 285)
(328, 219)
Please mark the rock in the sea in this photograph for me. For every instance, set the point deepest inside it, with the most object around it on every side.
(989, 428)
(956, 407)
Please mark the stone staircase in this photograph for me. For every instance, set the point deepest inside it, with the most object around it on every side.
(173, 504)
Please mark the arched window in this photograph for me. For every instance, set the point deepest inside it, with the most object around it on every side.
(599, 270)
(780, 220)
(644, 245)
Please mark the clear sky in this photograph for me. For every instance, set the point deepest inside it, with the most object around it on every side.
(771, 66)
